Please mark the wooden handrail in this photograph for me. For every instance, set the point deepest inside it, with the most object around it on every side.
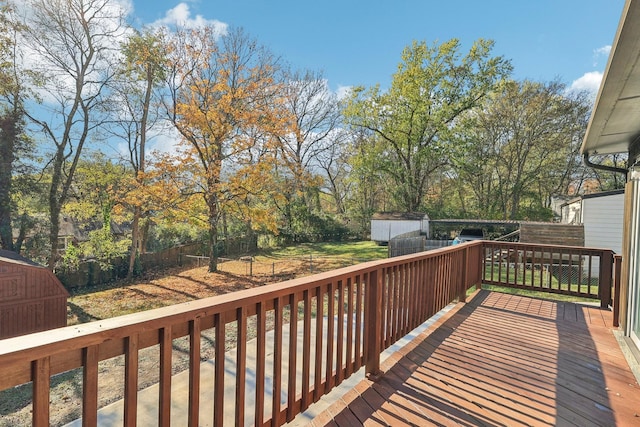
(577, 271)
(366, 307)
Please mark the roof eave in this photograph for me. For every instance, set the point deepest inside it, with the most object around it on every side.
(615, 120)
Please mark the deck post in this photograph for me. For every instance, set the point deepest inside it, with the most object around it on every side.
(617, 268)
(605, 279)
(373, 326)
(482, 264)
(462, 290)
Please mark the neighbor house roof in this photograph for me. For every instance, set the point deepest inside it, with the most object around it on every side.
(400, 216)
(592, 196)
(14, 258)
(615, 121)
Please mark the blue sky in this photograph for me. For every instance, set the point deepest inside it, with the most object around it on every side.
(359, 43)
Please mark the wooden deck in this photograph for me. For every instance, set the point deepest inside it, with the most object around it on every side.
(502, 360)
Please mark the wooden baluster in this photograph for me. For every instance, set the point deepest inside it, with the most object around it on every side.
(131, 381)
(373, 325)
(164, 389)
(90, 386)
(41, 374)
(241, 364)
(194, 372)
(218, 385)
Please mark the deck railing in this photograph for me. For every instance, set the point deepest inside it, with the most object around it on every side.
(334, 323)
(576, 271)
(308, 334)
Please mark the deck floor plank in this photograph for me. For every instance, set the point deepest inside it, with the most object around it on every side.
(503, 359)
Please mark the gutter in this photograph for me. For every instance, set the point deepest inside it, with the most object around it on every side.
(587, 162)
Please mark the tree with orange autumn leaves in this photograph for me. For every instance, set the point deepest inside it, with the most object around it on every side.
(224, 100)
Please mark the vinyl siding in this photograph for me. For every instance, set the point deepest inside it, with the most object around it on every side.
(602, 219)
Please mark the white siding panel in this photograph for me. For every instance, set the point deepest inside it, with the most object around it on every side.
(602, 219)
(382, 230)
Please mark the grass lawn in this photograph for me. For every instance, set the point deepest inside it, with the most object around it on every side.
(362, 251)
(541, 279)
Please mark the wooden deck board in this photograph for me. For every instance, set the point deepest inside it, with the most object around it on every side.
(502, 360)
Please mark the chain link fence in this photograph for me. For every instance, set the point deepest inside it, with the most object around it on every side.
(266, 269)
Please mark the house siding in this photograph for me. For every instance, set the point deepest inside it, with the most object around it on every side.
(603, 219)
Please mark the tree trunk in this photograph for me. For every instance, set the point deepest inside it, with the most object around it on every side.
(7, 146)
(144, 232)
(135, 241)
(213, 234)
(213, 251)
(54, 232)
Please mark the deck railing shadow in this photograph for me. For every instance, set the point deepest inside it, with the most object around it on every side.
(482, 367)
(394, 382)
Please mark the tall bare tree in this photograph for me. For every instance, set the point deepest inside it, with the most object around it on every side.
(73, 42)
(134, 114)
(316, 116)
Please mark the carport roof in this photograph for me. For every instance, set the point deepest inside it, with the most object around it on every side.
(615, 120)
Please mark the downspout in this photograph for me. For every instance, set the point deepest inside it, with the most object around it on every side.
(587, 162)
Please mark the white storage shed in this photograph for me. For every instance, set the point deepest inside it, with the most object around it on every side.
(387, 225)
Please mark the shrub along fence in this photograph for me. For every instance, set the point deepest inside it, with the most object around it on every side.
(91, 273)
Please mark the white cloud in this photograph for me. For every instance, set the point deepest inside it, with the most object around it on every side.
(589, 82)
(601, 52)
(164, 138)
(343, 92)
(180, 16)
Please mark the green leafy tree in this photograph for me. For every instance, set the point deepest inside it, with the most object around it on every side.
(367, 190)
(16, 147)
(520, 148)
(97, 188)
(94, 202)
(433, 86)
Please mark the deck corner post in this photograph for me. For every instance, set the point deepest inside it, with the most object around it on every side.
(605, 279)
(373, 326)
(481, 265)
(617, 261)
